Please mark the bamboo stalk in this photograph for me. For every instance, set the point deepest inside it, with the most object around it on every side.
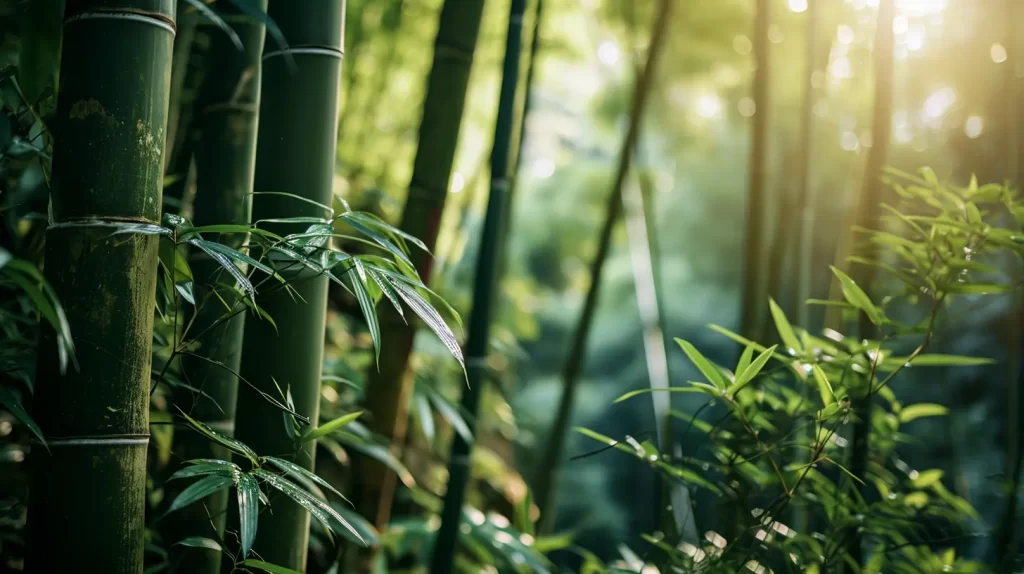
(868, 216)
(225, 161)
(484, 283)
(547, 478)
(88, 485)
(752, 317)
(296, 144)
(803, 250)
(390, 386)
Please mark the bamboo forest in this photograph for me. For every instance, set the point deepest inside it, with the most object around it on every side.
(511, 286)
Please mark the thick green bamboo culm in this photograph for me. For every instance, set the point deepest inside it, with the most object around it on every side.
(867, 216)
(88, 484)
(390, 387)
(226, 120)
(752, 317)
(547, 478)
(484, 286)
(295, 155)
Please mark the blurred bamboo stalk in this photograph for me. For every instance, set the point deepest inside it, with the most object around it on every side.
(484, 286)
(867, 216)
(547, 479)
(389, 389)
(753, 288)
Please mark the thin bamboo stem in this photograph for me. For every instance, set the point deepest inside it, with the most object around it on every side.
(546, 482)
(484, 283)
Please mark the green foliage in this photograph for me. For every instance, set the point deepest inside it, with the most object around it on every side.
(780, 446)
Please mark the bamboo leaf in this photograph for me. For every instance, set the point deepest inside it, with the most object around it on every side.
(372, 220)
(940, 360)
(360, 524)
(752, 370)
(320, 510)
(315, 433)
(921, 410)
(268, 567)
(713, 375)
(368, 308)
(205, 468)
(377, 238)
(248, 510)
(523, 521)
(858, 298)
(293, 469)
(425, 311)
(387, 289)
(785, 329)
(450, 414)
(236, 273)
(215, 436)
(12, 402)
(200, 542)
(844, 469)
(200, 490)
(426, 417)
(745, 358)
(327, 209)
(235, 255)
(382, 455)
(824, 387)
(217, 21)
(273, 30)
(927, 478)
(644, 391)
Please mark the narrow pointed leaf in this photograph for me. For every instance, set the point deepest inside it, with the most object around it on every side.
(295, 470)
(824, 387)
(248, 510)
(745, 358)
(785, 329)
(425, 311)
(752, 370)
(200, 490)
(203, 469)
(200, 542)
(215, 436)
(912, 412)
(315, 433)
(320, 510)
(10, 401)
(714, 376)
(268, 567)
(856, 296)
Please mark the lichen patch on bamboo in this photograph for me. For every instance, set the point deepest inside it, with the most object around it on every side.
(82, 109)
(150, 146)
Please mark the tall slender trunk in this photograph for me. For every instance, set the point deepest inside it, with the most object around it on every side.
(868, 216)
(673, 504)
(225, 160)
(484, 283)
(390, 388)
(188, 73)
(296, 144)
(1006, 540)
(753, 292)
(803, 248)
(546, 482)
(183, 40)
(88, 488)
